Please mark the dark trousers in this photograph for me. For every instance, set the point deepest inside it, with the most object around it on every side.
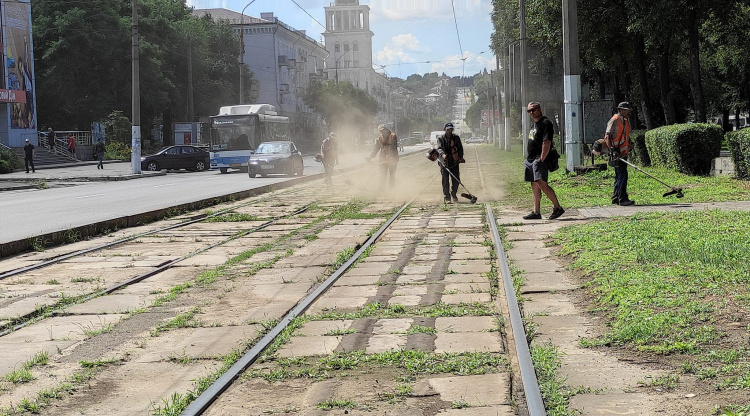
(620, 193)
(101, 158)
(329, 171)
(29, 161)
(450, 191)
(388, 171)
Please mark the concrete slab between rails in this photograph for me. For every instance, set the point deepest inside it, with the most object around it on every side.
(469, 266)
(385, 343)
(72, 328)
(310, 346)
(597, 370)
(480, 390)
(635, 404)
(116, 303)
(18, 352)
(18, 307)
(548, 304)
(546, 282)
(466, 324)
(405, 300)
(505, 410)
(200, 343)
(468, 342)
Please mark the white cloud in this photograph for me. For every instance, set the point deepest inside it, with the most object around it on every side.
(208, 4)
(399, 49)
(454, 65)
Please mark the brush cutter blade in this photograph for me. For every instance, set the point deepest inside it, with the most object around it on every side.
(674, 191)
(470, 197)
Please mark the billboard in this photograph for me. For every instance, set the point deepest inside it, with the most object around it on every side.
(18, 65)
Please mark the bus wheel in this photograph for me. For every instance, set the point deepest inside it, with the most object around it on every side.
(223, 170)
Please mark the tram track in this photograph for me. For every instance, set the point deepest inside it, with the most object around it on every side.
(419, 227)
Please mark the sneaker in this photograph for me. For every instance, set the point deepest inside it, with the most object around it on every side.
(455, 198)
(615, 202)
(447, 200)
(556, 213)
(626, 203)
(533, 216)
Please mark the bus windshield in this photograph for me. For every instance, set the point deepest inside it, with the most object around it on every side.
(233, 133)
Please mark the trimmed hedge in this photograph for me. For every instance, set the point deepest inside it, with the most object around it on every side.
(687, 148)
(639, 154)
(739, 148)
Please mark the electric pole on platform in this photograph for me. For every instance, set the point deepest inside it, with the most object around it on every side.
(135, 156)
(572, 83)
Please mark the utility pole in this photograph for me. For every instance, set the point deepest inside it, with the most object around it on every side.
(524, 81)
(572, 81)
(242, 50)
(190, 101)
(135, 156)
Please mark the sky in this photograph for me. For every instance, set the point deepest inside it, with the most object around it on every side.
(410, 36)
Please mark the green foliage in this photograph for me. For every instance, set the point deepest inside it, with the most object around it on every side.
(9, 161)
(639, 154)
(117, 151)
(117, 129)
(739, 148)
(342, 104)
(687, 148)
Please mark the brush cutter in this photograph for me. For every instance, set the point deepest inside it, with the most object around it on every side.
(319, 158)
(433, 155)
(600, 147)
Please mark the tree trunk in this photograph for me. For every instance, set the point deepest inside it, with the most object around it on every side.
(627, 95)
(600, 84)
(167, 134)
(725, 121)
(696, 87)
(736, 118)
(665, 88)
(640, 63)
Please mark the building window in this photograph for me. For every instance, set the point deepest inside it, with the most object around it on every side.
(356, 64)
(347, 64)
(337, 47)
(355, 47)
(346, 47)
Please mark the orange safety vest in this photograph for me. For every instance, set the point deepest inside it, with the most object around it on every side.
(622, 141)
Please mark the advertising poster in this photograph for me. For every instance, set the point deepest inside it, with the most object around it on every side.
(18, 79)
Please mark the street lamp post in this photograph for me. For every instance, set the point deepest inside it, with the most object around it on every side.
(242, 49)
(135, 144)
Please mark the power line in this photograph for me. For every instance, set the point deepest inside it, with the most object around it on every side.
(456, 23)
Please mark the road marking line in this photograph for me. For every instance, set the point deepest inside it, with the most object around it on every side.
(89, 196)
(166, 184)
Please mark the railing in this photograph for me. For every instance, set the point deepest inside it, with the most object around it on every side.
(61, 148)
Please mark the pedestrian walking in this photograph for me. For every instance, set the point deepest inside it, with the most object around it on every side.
(387, 145)
(617, 138)
(329, 150)
(99, 149)
(536, 169)
(451, 151)
(51, 138)
(72, 144)
(28, 156)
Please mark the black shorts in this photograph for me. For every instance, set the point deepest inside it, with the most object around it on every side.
(535, 171)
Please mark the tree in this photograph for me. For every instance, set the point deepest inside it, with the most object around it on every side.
(342, 105)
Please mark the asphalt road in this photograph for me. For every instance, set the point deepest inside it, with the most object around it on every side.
(28, 213)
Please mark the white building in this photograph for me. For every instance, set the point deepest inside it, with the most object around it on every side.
(283, 61)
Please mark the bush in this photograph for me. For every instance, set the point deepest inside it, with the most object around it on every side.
(639, 154)
(739, 148)
(9, 161)
(687, 148)
(117, 151)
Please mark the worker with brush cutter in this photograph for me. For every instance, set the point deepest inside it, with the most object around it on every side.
(617, 139)
(387, 145)
(329, 155)
(536, 169)
(451, 152)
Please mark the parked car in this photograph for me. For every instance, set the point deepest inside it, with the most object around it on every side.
(177, 157)
(474, 140)
(276, 157)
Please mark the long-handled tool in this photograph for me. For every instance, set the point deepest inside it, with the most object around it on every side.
(432, 155)
(319, 158)
(672, 190)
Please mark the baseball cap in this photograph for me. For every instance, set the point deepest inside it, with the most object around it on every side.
(382, 127)
(624, 106)
(448, 126)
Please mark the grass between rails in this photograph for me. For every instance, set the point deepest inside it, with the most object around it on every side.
(671, 284)
(595, 188)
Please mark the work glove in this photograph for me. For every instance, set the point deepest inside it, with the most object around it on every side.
(461, 161)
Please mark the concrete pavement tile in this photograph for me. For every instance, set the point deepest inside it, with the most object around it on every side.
(546, 282)
(307, 261)
(406, 279)
(369, 269)
(612, 403)
(379, 250)
(466, 324)
(564, 330)
(465, 278)
(18, 352)
(479, 390)
(205, 259)
(447, 342)
(268, 311)
(452, 288)
(203, 343)
(384, 343)
(420, 290)
(469, 239)
(381, 258)
(392, 326)
(597, 370)
(417, 269)
(466, 298)
(290, 292)
(469, 266)
(536, 265)
(288, 274)
(63, 328)
(115, 303)
(347, 280)
(310, 345)
(23, 306)
(329, 303)
(407, 300)
(556, 304)
(425, 257)
(321, 328)
(503, 410)
(351, 291)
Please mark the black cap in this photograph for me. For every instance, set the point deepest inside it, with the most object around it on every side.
(448, 126)
(624, 106)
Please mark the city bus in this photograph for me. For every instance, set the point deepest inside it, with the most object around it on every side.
(238, 130)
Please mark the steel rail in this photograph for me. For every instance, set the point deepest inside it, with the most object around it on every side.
(158, 269)
(203, 401)
(528, 375)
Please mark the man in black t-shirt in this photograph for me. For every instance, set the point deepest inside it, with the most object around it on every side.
(28, 156)
(536, 168)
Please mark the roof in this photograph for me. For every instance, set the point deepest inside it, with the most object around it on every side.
(229, 16)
